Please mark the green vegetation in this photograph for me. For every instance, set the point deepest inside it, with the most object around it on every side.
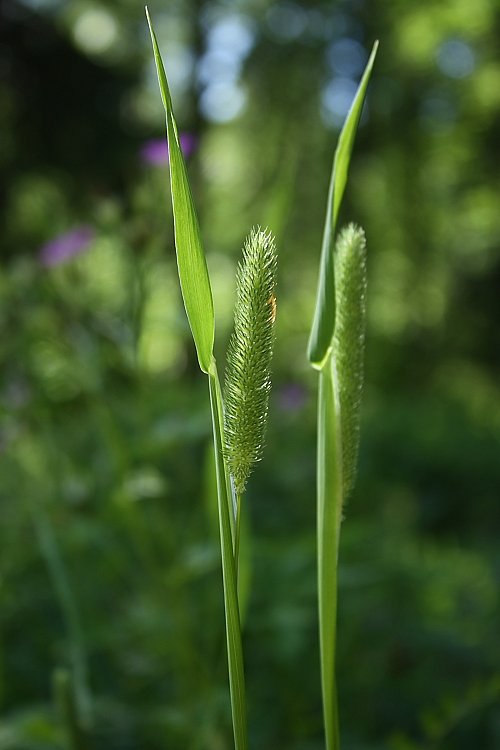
(336, 348)
(111, 607)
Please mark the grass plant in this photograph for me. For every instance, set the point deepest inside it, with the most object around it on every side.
(109, 570)
(238, 429)
(239, 417)
(336, 351)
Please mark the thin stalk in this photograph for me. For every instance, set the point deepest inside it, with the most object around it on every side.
(64, 592)
(231, 608)
(65, 699)
(329, 508)
(230, 492)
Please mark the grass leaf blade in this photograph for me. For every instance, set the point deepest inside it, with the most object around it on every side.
(324, 315)
(191, 262)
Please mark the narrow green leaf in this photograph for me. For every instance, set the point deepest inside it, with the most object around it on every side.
(233, 629)
(329, 509)
(320, 339)
(349, 341)
(191, 262)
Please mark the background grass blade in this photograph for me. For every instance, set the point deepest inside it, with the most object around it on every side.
(329, 478)
(191, 262)
(64, 590)
(233, 629)
(324, 315)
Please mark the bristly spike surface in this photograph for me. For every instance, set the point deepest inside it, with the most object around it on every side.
(349, 340)
(248, 375)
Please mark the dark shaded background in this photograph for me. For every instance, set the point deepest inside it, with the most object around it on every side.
(109, 562)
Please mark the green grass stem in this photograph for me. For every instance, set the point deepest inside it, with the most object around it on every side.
(231, 607)
(65, 699)
(329, 510)
(64, 592)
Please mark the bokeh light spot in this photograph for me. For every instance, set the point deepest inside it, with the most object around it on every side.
(223, 101)
(286, 21)
(95, 31)
(336, 99)
(455, 58)
(346, 57)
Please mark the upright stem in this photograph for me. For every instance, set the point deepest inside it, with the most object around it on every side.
(329, 478)
(65, 698)
(227, 539)
(64, 592)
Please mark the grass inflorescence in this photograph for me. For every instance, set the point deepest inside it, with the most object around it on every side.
(349, 341)
(248, 376)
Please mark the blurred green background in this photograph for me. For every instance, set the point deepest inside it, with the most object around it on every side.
(109, 564)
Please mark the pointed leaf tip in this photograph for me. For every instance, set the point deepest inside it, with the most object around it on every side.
(191, 262)
(320, 340)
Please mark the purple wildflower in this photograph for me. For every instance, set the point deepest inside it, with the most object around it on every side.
(66, 246)
(292, 397)
(155, 151)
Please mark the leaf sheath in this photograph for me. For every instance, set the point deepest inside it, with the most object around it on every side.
(329, 481)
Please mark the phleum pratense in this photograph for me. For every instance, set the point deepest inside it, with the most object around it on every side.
(248, 373)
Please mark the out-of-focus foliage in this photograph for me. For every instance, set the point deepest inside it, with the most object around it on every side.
(109, 563)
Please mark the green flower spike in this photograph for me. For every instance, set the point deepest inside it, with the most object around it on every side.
(248, 378)
(349, 340)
